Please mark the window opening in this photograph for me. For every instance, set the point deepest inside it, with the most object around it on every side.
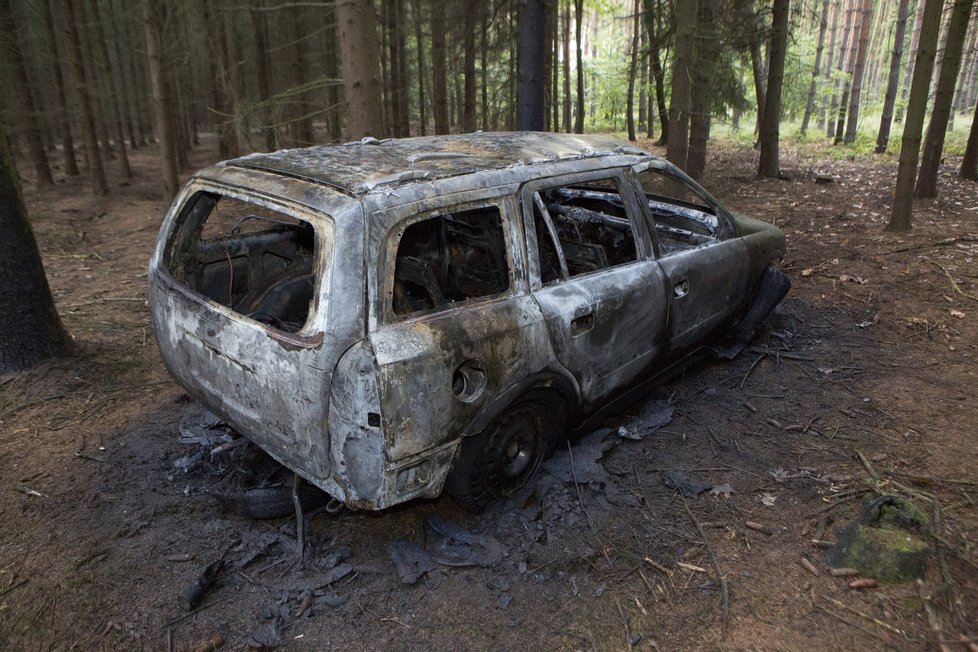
(251, 258)
(683, 219)
(448, 258)
(591, 227)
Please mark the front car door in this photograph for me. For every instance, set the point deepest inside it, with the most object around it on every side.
(701, 254)
(592, 272)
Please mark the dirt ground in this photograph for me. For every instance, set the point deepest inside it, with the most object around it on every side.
(872, 355)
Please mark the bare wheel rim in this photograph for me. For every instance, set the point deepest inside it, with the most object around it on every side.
(514, 450)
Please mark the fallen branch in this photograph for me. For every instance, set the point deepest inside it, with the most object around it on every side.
(855, 625)
(954, 284)
(869, 467)
(725, 613)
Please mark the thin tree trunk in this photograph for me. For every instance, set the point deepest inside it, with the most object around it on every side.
(632, 72)
(401, 89)
(961, 87)
(123, 84)
(969, 165)
(115, 91)
(848, 70)
(333, 90)
(827, 75)
(768, 165)
(267, 113)
(69, 24)
(154, 19)
(937, 128)
(217, 66)
(654, 31)
(30, 329)
(810, 104)
(746, 15)
(682, 71)
(565, 45)
(439, 82)
(67, 141)
(844, 48)
(643, 85)
(858, 72)
(468, 111)
(484, 67)
(702, 90)
(893, 81)
(911, 58)
(422, 68)
(900, 218)
(578, 28)
(12, 44)
(361, 65)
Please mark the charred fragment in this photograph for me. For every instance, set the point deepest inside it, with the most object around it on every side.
(386, 317)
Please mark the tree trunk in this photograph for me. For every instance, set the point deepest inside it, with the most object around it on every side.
(827, 75)
(858, 72)
(810, 104)
(746, 16)
(218, 69)
(768, 166)
(331, 61)
(961, 87)
(484, 67)
(12, 44)
(422, 68)
(632, 72)
(840, 66)
(916, 109)
(123, 84)
(578, 28)
(361, 65)
(304, 133)
(643, 85)
(911, 58)
(847, 68)
(682, 70)
(702, 91)
(893, 80)
(30, 329)
(937, 128)
(267, 112)
(653, 30)
(532, 60)
(969, 165)
(468, 112)
(115, 91)
(154, 19)
(70, 26)
(565, 46)
(439, 83)
(67, 142)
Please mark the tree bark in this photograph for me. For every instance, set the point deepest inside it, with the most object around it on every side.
(154, 19)
(969, 165)
(422, 68)
(82, 93)
(267, 112)
(30, 329)
(129, 107)
(439, 83)
(12, 44)
(930, 162)
(810, 104)
(115, 90)
(578, 28)
(923, 67)
(747, 17)
(701, 94)
(840, 66)
(632, 72)
(858, 72)
(654, 32)
(218, 68)
(893, 80)
(468, 112)
(849, 60)
(333, 91)
(768, 165)
(532, 61)
(908, 72)
(682, 71)
(361, 64)
(67, 141)
(565, 46)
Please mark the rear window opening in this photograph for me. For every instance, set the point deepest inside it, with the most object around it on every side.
(249, 257)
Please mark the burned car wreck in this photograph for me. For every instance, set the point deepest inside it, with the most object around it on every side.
(393, 318)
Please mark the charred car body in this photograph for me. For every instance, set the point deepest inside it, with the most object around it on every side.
(391, 318)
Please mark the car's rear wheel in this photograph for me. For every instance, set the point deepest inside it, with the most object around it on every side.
(503, 456)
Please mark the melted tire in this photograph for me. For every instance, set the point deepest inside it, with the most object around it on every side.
(276, 502)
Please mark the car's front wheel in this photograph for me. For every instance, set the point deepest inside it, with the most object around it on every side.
(501, 458)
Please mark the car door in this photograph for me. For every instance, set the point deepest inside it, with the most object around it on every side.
(592, 273)
(455, 327)
(704, 260)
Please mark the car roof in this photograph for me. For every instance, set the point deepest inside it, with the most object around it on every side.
(359, 167)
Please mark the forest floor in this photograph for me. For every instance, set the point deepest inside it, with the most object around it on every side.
(864, 383)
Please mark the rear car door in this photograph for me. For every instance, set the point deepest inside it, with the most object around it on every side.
(592, 273)
(699, 251)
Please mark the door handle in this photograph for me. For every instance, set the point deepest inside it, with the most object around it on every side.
(582, 324)
(680, 289)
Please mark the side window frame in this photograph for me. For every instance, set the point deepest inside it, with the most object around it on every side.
(391, 247)
(726, 229)
(530, 199)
